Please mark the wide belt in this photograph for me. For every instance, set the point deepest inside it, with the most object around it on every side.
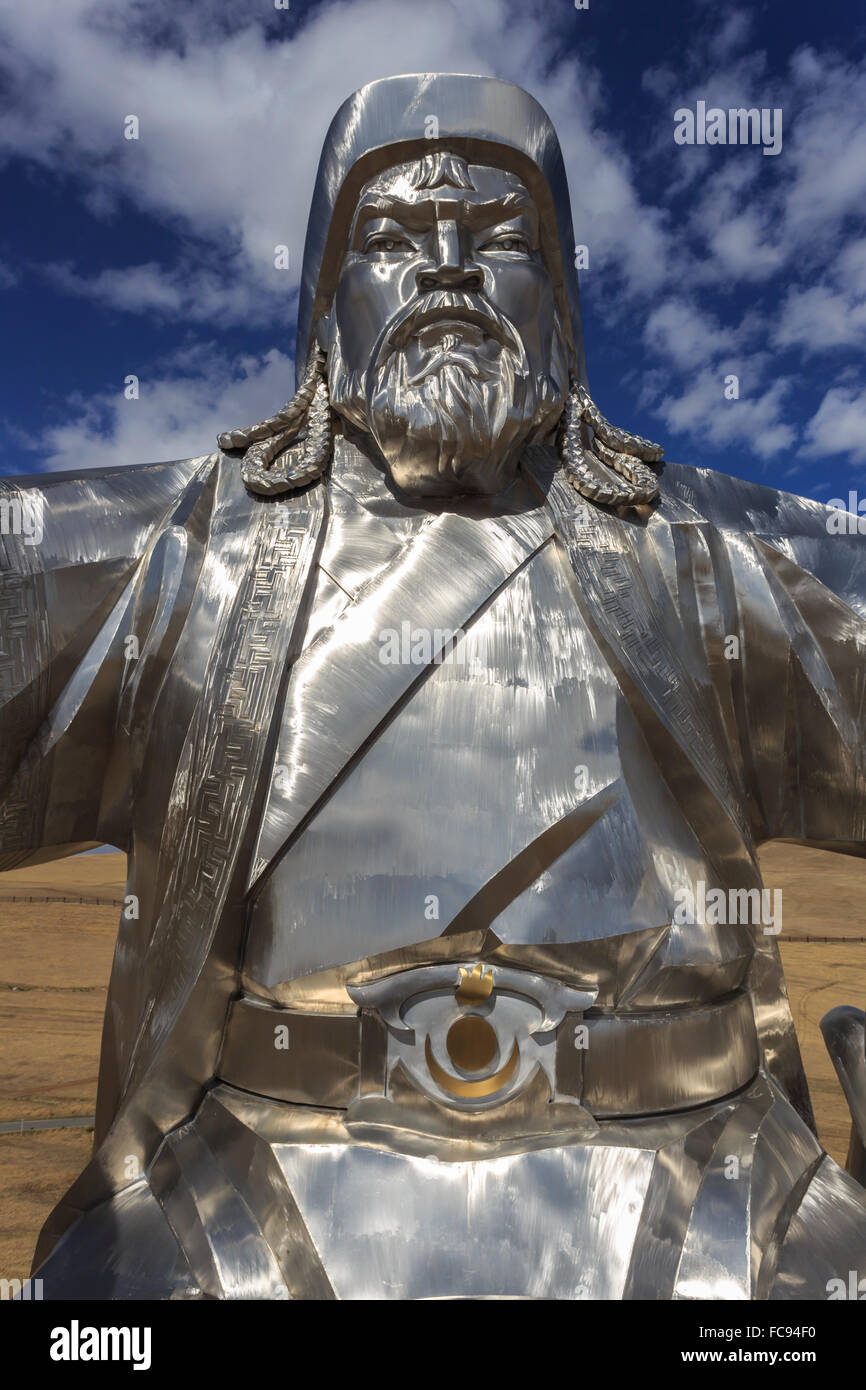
(614, 1064)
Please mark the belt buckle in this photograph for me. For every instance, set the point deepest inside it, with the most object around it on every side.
(469, 1034)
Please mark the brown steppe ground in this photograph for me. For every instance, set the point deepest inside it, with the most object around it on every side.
(56, 960)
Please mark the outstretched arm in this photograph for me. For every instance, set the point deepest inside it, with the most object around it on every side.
(71, 548)
(805, 689)
(792, 593)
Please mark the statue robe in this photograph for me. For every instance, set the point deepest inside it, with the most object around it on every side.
(289, 800)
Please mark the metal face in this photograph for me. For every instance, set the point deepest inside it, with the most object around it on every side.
(485, 120)
(429, 742)
(444, 339)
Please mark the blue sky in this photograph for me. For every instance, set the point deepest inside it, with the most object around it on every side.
(155, 257)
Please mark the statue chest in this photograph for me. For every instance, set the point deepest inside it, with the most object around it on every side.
(505, 788)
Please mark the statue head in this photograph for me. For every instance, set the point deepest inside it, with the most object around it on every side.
(439, 315)
(444, 340)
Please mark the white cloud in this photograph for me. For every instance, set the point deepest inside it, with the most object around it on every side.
(757, 420)
(178, 414)
(850, 269)
(818, 318)
(791, 226)
(194, 293)
(754, 216)
(232, 118)
(827, 149)
(734, 32)
(832, 313)
(695, 401)
(839, 425)
(743, 247)
(685, 336)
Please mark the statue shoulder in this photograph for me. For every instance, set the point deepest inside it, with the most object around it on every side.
(737, 504)
(139, 485)
(54, 520)
(823, 540)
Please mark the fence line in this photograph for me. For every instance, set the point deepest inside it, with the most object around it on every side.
(61, 1122)
(838, 940)
(88, 902)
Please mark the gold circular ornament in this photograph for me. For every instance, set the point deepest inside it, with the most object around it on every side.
(471, 1043)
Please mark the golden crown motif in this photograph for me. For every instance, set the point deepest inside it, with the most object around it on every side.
(474, 988)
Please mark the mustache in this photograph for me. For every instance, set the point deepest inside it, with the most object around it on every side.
(445, 306)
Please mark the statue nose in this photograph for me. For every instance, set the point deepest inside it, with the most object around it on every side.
(452, 277)
(449, 270)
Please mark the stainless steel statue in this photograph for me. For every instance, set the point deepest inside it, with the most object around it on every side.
(440, 725)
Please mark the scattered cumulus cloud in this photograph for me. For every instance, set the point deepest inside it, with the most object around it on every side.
(199, 294)
(178, 414)
(233, 106)
(839, 425)
(755, 421)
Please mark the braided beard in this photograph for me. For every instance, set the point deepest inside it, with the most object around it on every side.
(450, 403)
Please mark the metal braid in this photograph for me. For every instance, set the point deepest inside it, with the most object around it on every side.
(286, 419)
(615, 438)
(270, 467)
(614, 471)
